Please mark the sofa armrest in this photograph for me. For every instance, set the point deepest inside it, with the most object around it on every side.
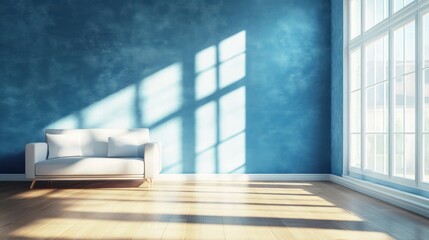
(34, 152)
(152, 159)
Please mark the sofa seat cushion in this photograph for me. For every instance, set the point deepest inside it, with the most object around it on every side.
(89, 166)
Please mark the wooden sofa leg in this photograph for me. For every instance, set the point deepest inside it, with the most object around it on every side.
(147, 181)
(32, 184)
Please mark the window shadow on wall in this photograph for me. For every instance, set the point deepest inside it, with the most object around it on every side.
(196, 108)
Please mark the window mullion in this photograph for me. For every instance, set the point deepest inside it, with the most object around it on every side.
(391, 155)
(404, 93)
(418, 106)
(363, 107)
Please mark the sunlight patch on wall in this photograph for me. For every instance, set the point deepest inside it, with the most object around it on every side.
(232, 114)
(169, 134)
(232, 59)
(206, 138)
(232, 148)
(220, 124)
(206, 74)
(232, 70)
(161, 94)
(114, 111)
(232, 46)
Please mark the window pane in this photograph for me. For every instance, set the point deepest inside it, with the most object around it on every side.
(370, 152)
(381, 154)
(425, 44)
(379, 61)
(370, 110)
(426, 157)
(426, 100)
(399, 105)
(369, 63)
(355, 112)
(375, 12)
(398, 167)
(399, 4)
(355, 70)
(355, 150)
(410, 102)
(410, 47)
(398, 52)
(376, 61)
(355, 20)
(380, 108)
(410, 156)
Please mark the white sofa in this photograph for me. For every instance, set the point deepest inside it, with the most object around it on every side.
(52, 160)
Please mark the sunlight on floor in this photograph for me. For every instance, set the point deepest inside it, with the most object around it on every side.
(192, 210)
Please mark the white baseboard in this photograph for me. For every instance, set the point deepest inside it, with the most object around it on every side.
(13, 177)
(211, 177)
(242, 177)
(408, 201)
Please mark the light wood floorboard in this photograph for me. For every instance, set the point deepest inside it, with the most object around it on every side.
(200, 210)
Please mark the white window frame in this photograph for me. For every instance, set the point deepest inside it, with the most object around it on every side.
(413, 11)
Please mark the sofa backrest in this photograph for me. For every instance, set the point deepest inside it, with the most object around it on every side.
(94, 142)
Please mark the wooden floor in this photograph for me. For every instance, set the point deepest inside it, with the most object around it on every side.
(203, 210)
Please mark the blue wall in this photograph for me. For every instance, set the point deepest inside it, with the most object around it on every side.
(337, 87)
(133, 64)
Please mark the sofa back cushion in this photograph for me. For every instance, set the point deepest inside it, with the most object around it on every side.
(94, 142)
(64, 145)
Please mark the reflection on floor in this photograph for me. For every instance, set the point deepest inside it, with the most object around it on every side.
(200, 210)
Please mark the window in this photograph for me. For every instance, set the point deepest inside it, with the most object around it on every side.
(425, 96)
(376, 86)
(404, 92)
(355, 108)
(375, 12)
(388, 90)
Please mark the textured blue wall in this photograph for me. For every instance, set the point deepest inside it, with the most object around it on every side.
(337, 87)
(63, 60)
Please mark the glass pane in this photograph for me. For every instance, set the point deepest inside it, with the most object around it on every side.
(426, 157)
(355, 20)
(379, 61)
(375, 12)
(398, 52)
(398, 167)
(380, 108)
(381, 150)
(355, 70)
(410, 156)
(369, 62)
(386, 108)
(355, 112)
(386, 57)
(355, 150)
(369, 13)
(370, 151)
(425, 33)
(426, 100)
(376, 61)
(410, 102)
(370, 109)
(410, 47)
(399, 105)
(406, 2)
(399, 4)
